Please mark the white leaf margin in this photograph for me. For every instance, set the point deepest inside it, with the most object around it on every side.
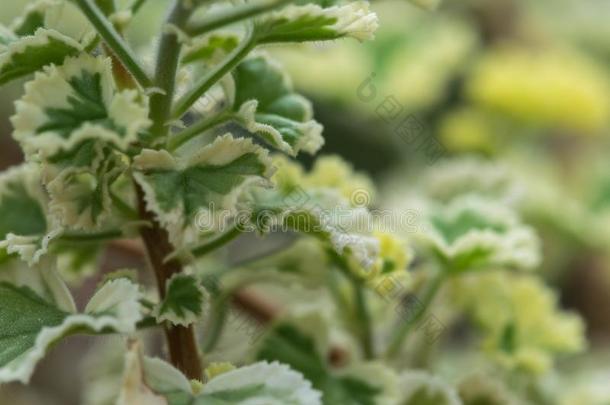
(311, 141)
(50, 89)
(223, 150)
(42, 37)
(153, 378)
(353, 20)
(29, 248)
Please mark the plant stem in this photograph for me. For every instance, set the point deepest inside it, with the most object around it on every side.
(166, 68)
(215, 243)
(214, 75)
(91, 236)
(220, 310)
(114, 41)
(363, 317)
(425, 301)
(136, 6)
(183, 350)
(175, 141)
(232, 15)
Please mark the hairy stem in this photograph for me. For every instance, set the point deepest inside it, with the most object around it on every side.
(175, 141)
(168, 58)
(426, 299)
(114, 41)
(182, 344)
(363, 317)
(217, 242)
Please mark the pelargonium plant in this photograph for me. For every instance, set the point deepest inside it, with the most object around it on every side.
(180, 158)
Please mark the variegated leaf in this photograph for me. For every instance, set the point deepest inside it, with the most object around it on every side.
(267, 105)
(178, 188)
(321, 213)
(211, 48)
(313, 23)
(25, 226)
(31, 324)
(471, 233)
(67, 105)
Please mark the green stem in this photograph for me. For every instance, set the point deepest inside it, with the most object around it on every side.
(214, 75)
(91, 237)
(179, 139)
(405, 327)
(166, 69)
(363, 318)
(114, 41)
(215, 243)
(232, 15)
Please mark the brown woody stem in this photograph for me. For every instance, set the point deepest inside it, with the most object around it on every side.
(183, 350)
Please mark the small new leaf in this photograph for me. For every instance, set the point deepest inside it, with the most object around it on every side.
(183, 302)
(267, 106)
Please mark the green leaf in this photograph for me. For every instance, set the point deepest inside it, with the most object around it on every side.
(471, 233)
(183, 302)
(313, 23)
(148, 380)
(267, 106)
(25, 226)
(30, 325)
(288, 345)
(75, 102)
(178, 188)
